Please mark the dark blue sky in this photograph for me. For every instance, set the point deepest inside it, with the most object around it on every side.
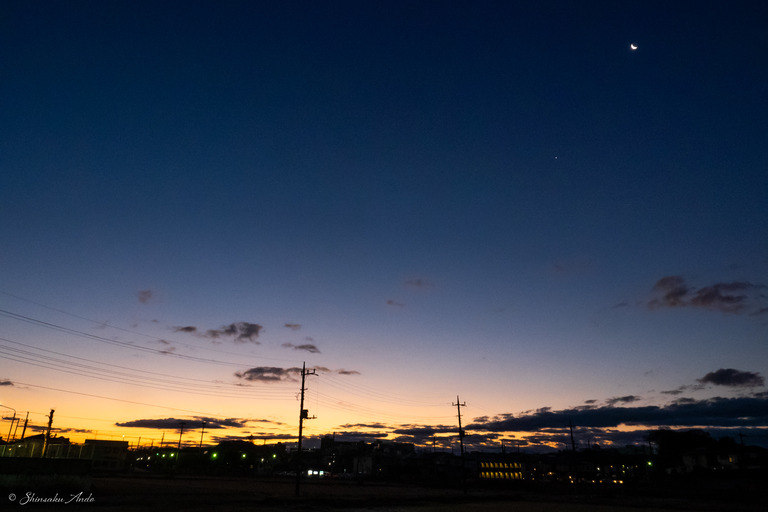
(488, 188)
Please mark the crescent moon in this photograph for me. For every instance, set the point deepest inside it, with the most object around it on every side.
(633, 46)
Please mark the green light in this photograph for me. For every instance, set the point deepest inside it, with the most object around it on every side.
(214, 455)
(244, 456)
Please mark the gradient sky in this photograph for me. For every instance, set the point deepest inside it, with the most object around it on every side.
(495, 200)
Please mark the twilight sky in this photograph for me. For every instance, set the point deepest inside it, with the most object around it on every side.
(495, 200)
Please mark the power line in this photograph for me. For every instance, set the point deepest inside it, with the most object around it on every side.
(371, 393)
(101, 339)
(169, 387)
(118, 399)
(131, 331)
(77, 368)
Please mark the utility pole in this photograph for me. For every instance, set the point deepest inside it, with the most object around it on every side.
(181, 432)
(48, 433)
(24, 430)
(303, 415)
(201, 435)
(573, 443)
(178, 450)
(461, 431)
(8, 439)
(459, 405)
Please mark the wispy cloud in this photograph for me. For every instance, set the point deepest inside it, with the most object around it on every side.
(277, 374)
(424, 431)
(396, 304)
(733, 297)
(6, 382)
(418, 283)
(265, 436)
(346, 372)
(293, 327)
(144, 296)
(189, 423)
(622, 399)
(672, 290)
(354, 436)
(324, 369)
(683, 389)
(240, 332)
(306, 346)
(269, 374)
(733, 378)
(363, 425)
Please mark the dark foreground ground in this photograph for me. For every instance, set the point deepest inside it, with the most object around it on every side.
(140, 493)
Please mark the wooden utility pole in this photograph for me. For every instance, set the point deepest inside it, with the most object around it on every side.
(303, 415)
(461, 431)
(459, 405)
(24, 430)
(202, 431)
(181, 433)
(573, 442)
(178, 450)
(48, 433)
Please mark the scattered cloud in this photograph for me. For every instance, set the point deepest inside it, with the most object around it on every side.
(418, 283)
(293, 327)
(622, 399)
(189, 423)
(337, 372)
(276, 374)
(572, 266)
(6, 382)
(733, 297)
(393, 303)
(306, 346)
(144, 296)
(347, 372)
(255, 436)
(733, 378)
(269, 374)
(683, 389)
(717, 412)
(363, 425)
(424, 431)
(241, 332)
(352, 437)
(673, 291)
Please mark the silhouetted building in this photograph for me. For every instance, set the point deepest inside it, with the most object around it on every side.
(106, 455)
